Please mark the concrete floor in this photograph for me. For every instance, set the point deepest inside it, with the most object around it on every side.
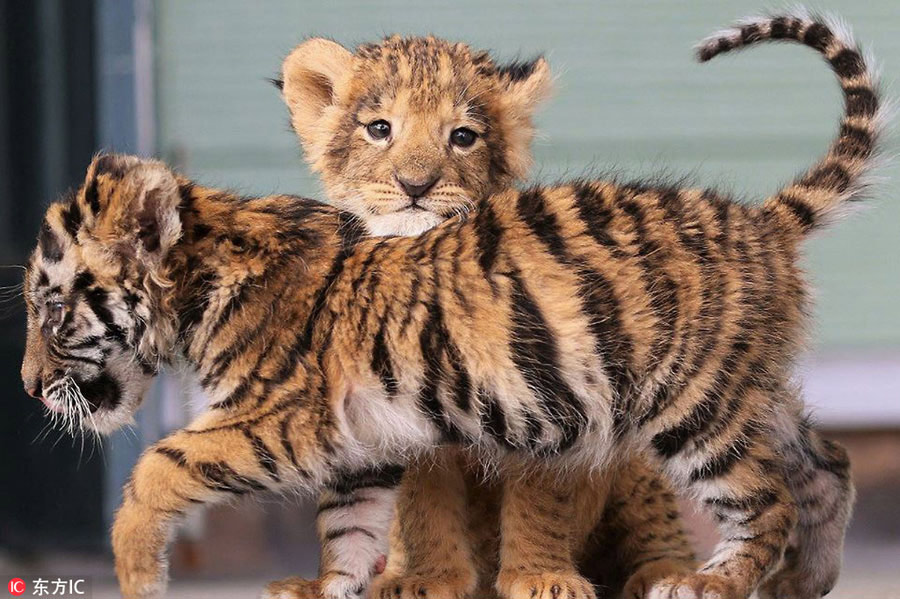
(870, 572)
(234, 550)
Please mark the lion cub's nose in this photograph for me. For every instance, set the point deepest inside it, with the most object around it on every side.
(416, 188)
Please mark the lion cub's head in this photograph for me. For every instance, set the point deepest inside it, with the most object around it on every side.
(411, 131)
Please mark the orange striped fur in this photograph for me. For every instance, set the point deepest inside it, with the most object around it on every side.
(570, 326)
(424, 89)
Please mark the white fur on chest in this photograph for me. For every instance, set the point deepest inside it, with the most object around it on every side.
(395, 428)
(389, 427)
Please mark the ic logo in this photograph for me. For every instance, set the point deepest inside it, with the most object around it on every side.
(16, 586)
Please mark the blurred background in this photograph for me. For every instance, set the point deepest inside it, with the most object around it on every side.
(187, 80)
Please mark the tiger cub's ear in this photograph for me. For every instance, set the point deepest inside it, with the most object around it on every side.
(132, 205)
(309, 77)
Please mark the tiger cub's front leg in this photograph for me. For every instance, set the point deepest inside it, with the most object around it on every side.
(187, 469)
(353, 520)
(537, 538)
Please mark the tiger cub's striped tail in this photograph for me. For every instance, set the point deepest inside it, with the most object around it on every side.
(819, 195)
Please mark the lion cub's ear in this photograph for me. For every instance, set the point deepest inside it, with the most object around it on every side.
(310, 74)
(526, 86)
(527, 83)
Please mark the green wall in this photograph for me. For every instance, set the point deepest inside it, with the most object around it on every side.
(629, 96)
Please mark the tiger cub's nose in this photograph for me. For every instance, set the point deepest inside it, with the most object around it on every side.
(34, 389)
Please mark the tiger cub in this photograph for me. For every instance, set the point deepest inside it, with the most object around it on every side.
(326, 354)
(406, 134)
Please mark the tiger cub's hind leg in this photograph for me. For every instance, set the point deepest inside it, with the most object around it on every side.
(819, 479)
(735, 467)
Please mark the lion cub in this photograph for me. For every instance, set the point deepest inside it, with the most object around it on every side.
(406, 133)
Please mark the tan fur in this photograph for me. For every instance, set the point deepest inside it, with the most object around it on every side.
(555, 533)
(425, 87)
(566, 326)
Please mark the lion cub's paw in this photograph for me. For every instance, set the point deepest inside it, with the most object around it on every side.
(544, 585)
(421, 587)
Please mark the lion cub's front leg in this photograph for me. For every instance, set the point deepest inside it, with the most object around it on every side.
(652, 543)
(430, 554)
(537, 537)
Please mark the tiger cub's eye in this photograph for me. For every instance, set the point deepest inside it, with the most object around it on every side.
(379, 129)
(463, 137)
(56, 312)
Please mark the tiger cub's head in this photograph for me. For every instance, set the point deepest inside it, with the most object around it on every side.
(94, 286)
(413, 130)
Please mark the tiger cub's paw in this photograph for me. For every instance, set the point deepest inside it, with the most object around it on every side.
(787, 586)
(440, 586)
(793, 581)
(293, 588)
(544, 585)
(694, 586)
(640, 583)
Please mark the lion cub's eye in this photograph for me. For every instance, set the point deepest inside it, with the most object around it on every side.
(463, 137)
(379, 129)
